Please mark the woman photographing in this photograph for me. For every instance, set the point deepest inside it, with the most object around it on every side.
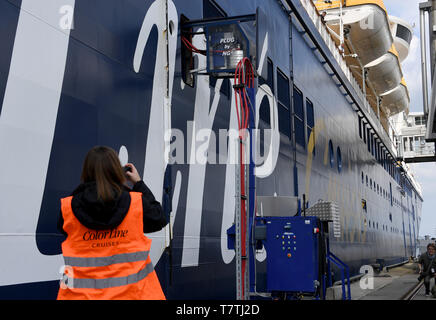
(106, 252)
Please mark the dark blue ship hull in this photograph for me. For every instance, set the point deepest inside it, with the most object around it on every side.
(116, 71)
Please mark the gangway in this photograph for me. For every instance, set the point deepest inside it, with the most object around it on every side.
(411, 136)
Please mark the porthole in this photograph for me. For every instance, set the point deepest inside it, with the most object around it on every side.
(339, 158)
(331, 154)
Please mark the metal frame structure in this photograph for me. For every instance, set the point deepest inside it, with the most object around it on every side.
(429, 105)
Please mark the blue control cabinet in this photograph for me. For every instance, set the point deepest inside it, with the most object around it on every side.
(292, 246)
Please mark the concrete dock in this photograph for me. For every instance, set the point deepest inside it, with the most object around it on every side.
(391, 284)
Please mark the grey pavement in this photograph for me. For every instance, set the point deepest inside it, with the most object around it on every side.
(387, 285)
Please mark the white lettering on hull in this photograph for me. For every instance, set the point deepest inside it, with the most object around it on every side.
(160, 110)
(27, 126)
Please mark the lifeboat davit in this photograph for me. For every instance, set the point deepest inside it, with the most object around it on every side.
(366, 26)
(368, 32)
(396, 100)
(385, 72)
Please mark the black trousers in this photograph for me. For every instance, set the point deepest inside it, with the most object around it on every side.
(427, 280)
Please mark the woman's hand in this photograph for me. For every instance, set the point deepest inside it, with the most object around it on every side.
(133, 175)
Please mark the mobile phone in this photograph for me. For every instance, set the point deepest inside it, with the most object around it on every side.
(127, 169)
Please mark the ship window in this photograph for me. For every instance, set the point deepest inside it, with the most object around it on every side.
(264, 113)
(368, 139)
(339, 158)
(270, 80)
(264, 123)
(284, 104)
(367, 181)
(419, 121)
(331, 154)
(360, 127)
(390, 186)
(363, 178)
(299, 118)
(380, 154)
(378, 151)
(364, 131)
(404, 33)
(270, 76)
(310, 121)
(376, 148)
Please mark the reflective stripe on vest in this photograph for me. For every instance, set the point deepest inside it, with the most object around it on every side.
(106, 261)
(78, 283)
(120, 270)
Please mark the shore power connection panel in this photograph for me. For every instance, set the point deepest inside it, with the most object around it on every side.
(293, 253)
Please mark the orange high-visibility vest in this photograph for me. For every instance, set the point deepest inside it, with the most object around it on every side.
(108, 264)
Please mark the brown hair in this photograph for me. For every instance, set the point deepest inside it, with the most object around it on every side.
(103, 166)
(431, 245)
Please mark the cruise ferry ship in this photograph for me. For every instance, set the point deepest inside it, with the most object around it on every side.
(79, 73)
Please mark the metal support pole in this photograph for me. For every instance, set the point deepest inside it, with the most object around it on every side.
(251, 93)
(432, 31)
(237, 226)
(341, 30)
(238, 244)
(424, 62)
(241, 247)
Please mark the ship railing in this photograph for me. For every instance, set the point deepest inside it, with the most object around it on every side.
(328, 39)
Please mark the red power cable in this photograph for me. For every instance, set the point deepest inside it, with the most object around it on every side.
(191, 47)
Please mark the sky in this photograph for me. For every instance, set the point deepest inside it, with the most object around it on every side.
(425, 174)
